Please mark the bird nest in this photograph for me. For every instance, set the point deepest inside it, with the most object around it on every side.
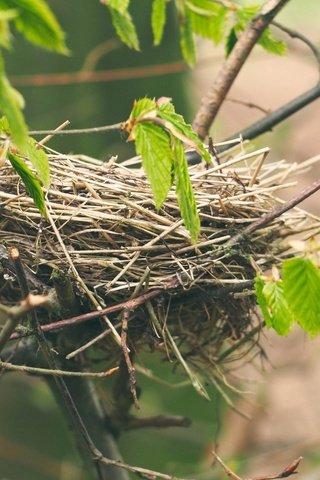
(195, 301)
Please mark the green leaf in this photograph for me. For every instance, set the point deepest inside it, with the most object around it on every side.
(167, 112)
(125, 28)
(246, 13)
(143, 107)
(158, 20)
(37, 23)
(230, 41)
(5, 17)
(267, 41)
(39, 160)
(259, 284)
(301, 281)
(208, 19)
(205, 7)
(271, 44)
(187, 41)
(120, 5)
(185, 194)
(153, 143)
(11, 103)
(280, 316)
(30, 181)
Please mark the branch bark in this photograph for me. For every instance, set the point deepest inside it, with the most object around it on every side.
(212, 101)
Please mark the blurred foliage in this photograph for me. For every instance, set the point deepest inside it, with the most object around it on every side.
(35, 440)
(90, 104)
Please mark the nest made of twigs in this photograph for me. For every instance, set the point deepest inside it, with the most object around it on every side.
(103, 229)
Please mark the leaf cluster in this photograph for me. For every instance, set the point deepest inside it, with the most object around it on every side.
(160, 135)
(34, 20)
(292, 298)
(220, 22)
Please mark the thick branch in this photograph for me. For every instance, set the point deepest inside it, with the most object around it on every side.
(214, 98)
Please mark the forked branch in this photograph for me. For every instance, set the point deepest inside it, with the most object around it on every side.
(212, 101)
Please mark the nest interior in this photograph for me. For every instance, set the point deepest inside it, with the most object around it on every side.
(104, 231)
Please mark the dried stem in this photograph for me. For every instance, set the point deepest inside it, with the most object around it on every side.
(104, 128)
(286, 472)
(126, 354)
(55, 372)
(212, 101)
(160, 421)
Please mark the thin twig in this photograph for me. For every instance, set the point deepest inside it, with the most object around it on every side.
(294, 34)
(104, 128)
(56, 130)
(247, 104)
(277, 116)
(160, 421)
(56, 372)
(212, 101)
(126, 354)
(99, 51)
(130, 305)
(144, 472)
(216, 292)
(286, 472)
(228, 471)
(15, 313)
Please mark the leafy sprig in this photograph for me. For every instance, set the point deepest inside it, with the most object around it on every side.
(216, 21)
(160, 135)
(293, 297)
(36, 22)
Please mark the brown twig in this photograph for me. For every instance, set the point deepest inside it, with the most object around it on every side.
(267, 123)
(67, 78)
(143, 472)
(75, 131)
(99, 51)
(126, 354)
(301, 37)
(55, 372)
(160, 421)
(247, 104)
(15, 313)
(212, 101)
(286, 472)
(131, 304)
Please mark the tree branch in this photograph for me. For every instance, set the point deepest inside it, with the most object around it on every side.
(301, 37)
(212, 101)
(160, 421)
(63, 373)
(286, 472)
(272, 119)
